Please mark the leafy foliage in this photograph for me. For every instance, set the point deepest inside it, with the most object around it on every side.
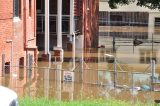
(113, 3)
(151, 4)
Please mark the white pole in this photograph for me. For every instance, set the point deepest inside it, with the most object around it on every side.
(59, 45)
(152, 73)
(59, 23)
(71, 16)
(46, 26)
(72, 28)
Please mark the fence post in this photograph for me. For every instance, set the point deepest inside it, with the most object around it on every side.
(115, 72)
(29, 65)
(152, 74)
(3, 65)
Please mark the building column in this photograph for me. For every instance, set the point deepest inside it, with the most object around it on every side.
(47, 26)
(72, 27)
(150, 25)
(59, 23)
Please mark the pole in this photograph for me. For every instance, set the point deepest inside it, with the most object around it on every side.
(152, 46)
(72, 28)
(46, 26)
(115, 73)
(11, 55)
(152, 74)
(71, 16)
(59, 23)
(3, 65)
(82, 58)
(114, 44)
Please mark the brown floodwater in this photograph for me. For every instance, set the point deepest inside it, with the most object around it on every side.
(94, 77)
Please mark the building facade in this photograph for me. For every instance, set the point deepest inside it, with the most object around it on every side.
(125, 24)
(128, 21)
(18, 33)
(76, 15)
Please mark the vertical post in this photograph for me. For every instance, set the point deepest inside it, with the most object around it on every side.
(72, 28)
(59, 44)
(3, 65)
(59, 23)
(114, 49)
(72, 16)
(46, 82)
(72, 31)
(132, 81)
(58, 81)
(28, 66)
(11, 55)
(152, 46)
(152, 74)
(47, 26)
(82, 58)
(115, 72)
(133, 46)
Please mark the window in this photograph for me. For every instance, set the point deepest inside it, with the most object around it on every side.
(17, 8)
(66, 7)
(157, 26)
(40, 6)
(30, 8)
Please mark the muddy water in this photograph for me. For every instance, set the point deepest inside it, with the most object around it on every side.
(96, 80)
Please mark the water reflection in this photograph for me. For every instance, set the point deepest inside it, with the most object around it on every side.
(98, 80)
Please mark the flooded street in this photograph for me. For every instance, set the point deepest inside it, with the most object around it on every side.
(94, 77)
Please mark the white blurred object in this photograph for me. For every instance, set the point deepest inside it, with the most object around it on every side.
(8, 97)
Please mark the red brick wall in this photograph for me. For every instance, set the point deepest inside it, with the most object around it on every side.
(21, 32)
(25, 31)
(88, 21)
(6, 29)
(78, 7)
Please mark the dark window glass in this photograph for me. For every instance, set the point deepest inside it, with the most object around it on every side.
(40, 6)
(16, 8)
(65, 7)
(53, 6)
(30, 6)
(157, 21)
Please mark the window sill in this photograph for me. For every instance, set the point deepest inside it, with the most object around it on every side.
(16, 19)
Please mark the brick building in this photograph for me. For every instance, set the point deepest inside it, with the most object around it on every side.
(17, 31)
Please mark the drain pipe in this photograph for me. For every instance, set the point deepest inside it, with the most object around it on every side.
(72, 28)
(47, 42)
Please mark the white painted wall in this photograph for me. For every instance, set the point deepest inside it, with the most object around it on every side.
(152, 16)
